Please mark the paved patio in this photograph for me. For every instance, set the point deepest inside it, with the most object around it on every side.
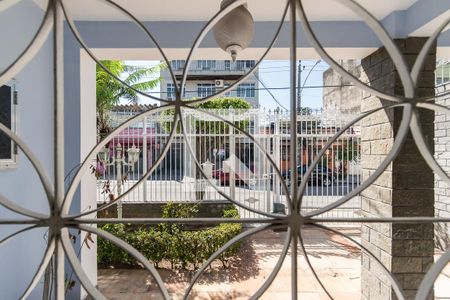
(336, 261)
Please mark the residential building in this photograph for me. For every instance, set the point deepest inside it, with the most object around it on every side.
(339, 94)
(207, 77)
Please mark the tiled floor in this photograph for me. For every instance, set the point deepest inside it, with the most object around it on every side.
(336, 261)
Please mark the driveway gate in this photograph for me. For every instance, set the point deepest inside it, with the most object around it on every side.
(237, 167)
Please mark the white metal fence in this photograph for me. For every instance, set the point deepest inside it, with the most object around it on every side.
(233, 162)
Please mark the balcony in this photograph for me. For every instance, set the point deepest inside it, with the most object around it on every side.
(211, 69)
(195, 94)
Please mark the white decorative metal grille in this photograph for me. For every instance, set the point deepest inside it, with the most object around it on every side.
(59, 221)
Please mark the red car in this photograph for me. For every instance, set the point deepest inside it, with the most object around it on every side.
(224, 178)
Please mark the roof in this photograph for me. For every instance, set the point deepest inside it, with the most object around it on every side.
(132, 107)
(202, 10)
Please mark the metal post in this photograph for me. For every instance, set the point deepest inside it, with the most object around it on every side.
(293, 121)
(119, 179)
(144, 157)
(265, 140)
(276, 150)
(293, 153)
(59, 274)
(232, 161)
(268, 192)
(58, 81)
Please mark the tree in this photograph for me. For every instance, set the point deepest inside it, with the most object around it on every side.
(225, 103)
(110, 90)
(215, 104)
(306, 111)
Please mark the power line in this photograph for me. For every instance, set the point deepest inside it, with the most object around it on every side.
(270, 93)
(274, 88)
(287, 68)
(285, 71)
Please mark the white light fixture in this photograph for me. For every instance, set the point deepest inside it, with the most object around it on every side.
(133, 155)
(234, 32)
(103, 155)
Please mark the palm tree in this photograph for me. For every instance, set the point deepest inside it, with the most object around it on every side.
(110, 90)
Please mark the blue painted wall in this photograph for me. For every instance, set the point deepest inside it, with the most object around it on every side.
(19, 258)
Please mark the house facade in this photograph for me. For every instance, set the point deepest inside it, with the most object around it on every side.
(207, 77)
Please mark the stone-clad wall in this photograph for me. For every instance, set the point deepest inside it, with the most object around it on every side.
(348, 98)
(442, 155)
(338, 93)
(404, 189)
(377, 140)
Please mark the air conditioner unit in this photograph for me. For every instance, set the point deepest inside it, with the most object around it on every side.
(218, 82)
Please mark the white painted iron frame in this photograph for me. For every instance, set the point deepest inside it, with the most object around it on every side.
(58, 221)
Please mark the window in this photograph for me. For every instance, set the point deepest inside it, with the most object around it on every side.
(206, 89)
(227, 94)
(442, 72)
(206, 64)
(231, 93)
(177, 64)
(246, 90)
(8, 153)
(245, 64)
(446, 73)
(171, 93)
(227, 65)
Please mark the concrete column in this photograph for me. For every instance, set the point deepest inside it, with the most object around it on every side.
(405, 189)
(442, 156)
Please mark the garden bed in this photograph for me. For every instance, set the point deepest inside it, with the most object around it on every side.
(168, 245)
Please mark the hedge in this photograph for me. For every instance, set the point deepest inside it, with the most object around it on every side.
(173, 243)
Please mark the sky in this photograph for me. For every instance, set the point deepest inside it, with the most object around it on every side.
(275, 76)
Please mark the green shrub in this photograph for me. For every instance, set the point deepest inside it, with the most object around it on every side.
(172, 242)
(230, 212)
(177, 210)
(107, 252)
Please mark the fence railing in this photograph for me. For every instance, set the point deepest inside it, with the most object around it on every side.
(236, 166)
(213, 65)
(247, 93)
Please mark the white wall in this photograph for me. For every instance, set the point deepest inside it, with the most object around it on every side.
(19, 258)
(88, 136)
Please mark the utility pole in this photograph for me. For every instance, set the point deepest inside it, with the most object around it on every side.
(299, 86)
(299, 82)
